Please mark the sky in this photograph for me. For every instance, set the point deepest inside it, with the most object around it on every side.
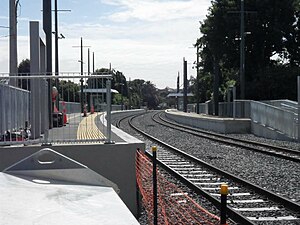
(144, 39)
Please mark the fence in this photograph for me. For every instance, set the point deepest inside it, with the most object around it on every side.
(242, 108)
(281, 115)
(45, 109)
(14, 105)
(174, 205)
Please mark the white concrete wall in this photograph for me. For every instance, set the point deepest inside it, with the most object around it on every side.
(216, 124)
(116, 162)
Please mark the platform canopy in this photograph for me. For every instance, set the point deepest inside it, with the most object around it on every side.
(179, 95)
(98, 90)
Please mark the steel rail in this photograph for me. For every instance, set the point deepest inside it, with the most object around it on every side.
(288, 204)
(211, 136)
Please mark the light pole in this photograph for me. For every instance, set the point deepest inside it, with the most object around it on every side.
(197, 81)
(122, 104)
(242, 52)
(56, 47)
(81, 71)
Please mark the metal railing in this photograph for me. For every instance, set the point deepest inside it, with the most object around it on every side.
(277, 118)
(280, 115)
(52, 109)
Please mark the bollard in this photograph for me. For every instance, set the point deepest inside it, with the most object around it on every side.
(154, 149)
(224, 193)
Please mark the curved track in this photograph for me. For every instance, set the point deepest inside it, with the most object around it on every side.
(277, 151)
(248, 203)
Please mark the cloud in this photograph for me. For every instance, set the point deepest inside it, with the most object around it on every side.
(154, 10)
(144, 39)
(150, 51)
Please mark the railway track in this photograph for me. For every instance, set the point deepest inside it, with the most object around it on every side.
(248, 203)
(277, 151)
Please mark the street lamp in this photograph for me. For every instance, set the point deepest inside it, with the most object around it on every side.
(122, 103)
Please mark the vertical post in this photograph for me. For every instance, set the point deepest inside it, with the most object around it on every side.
(93, 62)
(108, 110)
(228, 100)
(154, 150)
(216, 87)
(224, 193)
(138, 201)
(177, 98)
(197, 81)
(89, 71)
(242, 51)
(184, 85)
(35, 95)
(47, 26)
(56, 41)
(122, 104)
(81, 72)
(233, 102)
(56, 53)
(13, 51)
(298, 108)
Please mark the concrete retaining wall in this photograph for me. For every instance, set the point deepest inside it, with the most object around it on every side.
(220, 125)
(116, 162)
(261, 130)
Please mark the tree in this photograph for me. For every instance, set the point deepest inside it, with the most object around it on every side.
(272, 40)
(69, 91)
(24, 70)
(143, 93)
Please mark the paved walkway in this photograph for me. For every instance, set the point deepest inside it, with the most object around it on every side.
(79, 128)
(87, 128)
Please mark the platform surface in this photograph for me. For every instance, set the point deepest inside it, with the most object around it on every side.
(27, 201)
(217, 124)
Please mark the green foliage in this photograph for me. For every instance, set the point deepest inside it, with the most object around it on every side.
(143, 93)
(272, 47)
(134, 93)
(24, 66)
(69, 91)
(24, 70)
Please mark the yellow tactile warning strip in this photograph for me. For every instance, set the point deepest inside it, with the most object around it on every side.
(88, 129)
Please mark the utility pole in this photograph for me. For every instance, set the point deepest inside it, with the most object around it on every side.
(13, 49)
(56, 47)
(184, 85)
(197, 81)
(242, 51)
(177, 98)
(93, 62)
(56, 53)
(56, 42)
(89, 71)
(47, 27)
(242, 13)
(81, 71)
(216, 85)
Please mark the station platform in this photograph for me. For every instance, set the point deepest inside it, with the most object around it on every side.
(91, 128)
(212, 123)
(84, 140)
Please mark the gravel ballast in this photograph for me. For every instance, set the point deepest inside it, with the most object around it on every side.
(278, 175)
